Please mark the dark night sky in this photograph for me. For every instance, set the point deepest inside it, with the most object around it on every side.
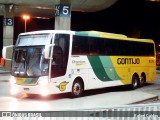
(125, 17)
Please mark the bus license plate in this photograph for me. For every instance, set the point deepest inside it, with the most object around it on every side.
(26, 89)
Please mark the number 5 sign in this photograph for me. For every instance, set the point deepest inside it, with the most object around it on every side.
(62, 10)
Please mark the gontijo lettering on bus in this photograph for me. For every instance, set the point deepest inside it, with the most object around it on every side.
(128, 61)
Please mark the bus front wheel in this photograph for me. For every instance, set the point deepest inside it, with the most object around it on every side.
(135, 82)
(77, 88)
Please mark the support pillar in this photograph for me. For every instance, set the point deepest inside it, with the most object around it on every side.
(63, 15)
(8, 32)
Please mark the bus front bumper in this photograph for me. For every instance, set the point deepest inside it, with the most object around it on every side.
(43, 90)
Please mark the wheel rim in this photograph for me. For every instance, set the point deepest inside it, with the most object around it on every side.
(135, 82)
(77, 89)
(142, 80)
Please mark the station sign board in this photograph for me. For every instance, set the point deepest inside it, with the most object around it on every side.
(8, 22)
(63, 10)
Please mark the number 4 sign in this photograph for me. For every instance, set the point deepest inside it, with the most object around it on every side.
(62, 10)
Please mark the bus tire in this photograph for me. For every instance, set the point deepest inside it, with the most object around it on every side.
(77, 88)
(142, 79)
(135, 82)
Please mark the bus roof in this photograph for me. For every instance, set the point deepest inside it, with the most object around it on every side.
(100, 34)
(91, 34)
(110, 35)
(81, 33)
(48, 31)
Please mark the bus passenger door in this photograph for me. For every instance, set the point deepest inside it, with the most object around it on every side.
(60, 55)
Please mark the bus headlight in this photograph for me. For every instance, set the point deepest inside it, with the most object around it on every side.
(43, 82)
(13, 91)
(12, 80)
(44, 92)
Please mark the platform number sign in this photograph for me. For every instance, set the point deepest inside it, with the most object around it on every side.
(8, 22)
(62, 10)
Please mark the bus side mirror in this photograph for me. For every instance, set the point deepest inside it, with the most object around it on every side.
(7, 52)
(47, 51)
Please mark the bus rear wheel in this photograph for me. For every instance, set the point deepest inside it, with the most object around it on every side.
(77, 88)
(142, 80)
(135, 82)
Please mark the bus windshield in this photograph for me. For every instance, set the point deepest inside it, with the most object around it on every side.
(34, 40)
(29, 62)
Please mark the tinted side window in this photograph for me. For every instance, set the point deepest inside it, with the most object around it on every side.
(112, 47)
(80, 45)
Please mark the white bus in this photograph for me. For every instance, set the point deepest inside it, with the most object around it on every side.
(58, 61)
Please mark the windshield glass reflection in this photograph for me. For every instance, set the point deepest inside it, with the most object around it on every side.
(29, 61)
